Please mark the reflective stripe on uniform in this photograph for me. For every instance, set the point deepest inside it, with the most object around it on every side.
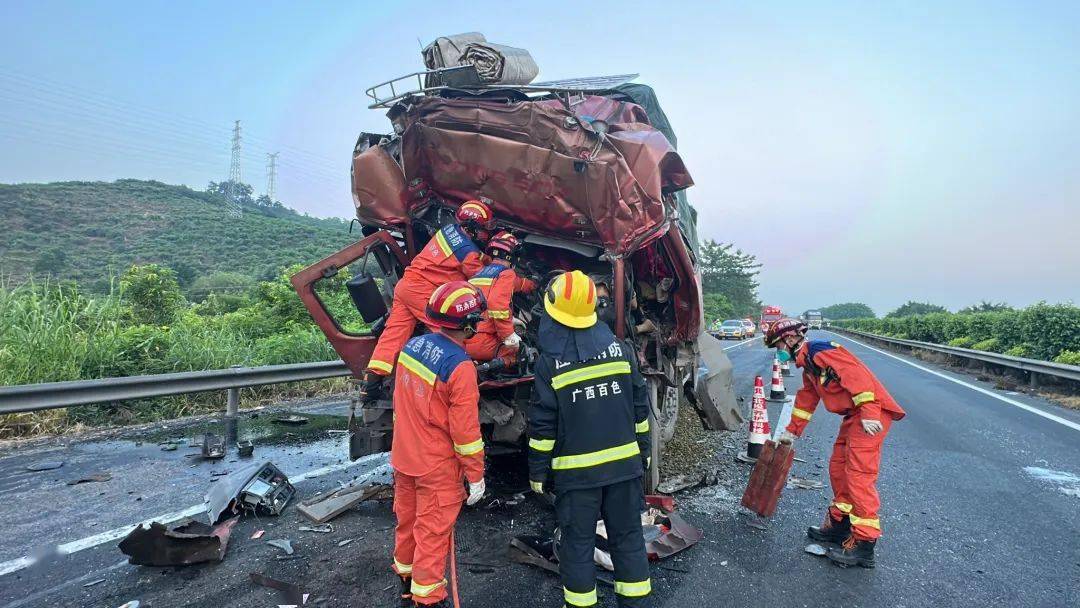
(401, 568)
(592, 459)
(579, 599)
(638, 589)
(443, 245)
(874, 523)
(862, 398)
(469, 448)
(801, 413)
(590, 372)
(380, 365)
(417, 368)
(642, 427)
(425, 590)
(499, 314)
(843, 507)
(481, 281)
(542, 445)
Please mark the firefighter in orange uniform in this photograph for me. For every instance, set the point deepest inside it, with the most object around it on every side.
(437, 444)
(495, 336)
(833, 375)
(451, 255)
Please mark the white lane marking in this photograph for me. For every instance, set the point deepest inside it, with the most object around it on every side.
(1034, 410)
(739, 344)
(117, 533)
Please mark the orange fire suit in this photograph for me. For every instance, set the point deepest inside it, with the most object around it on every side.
(436, 446)
(450, 255)
(499, 283)
(833, 375)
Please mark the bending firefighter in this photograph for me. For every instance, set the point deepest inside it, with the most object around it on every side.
(451, 255)
(833, 375)
(495, 341)
(589, 439)
(437, 443)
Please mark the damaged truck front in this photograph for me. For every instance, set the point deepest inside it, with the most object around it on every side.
(582, 172)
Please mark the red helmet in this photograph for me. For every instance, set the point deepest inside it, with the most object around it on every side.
(784, 327)
(504, 241)
(455, 305)
(476, 212)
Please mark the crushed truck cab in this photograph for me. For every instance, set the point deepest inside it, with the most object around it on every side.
(581, 172)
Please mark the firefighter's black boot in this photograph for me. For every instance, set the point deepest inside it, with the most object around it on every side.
(832, 531)
(853, 553)
(406, 590)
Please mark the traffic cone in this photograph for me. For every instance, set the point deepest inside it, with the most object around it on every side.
(785, 369)
(759, 421)
(776, 391)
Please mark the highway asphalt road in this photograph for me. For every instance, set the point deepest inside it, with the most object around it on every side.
(981, 507)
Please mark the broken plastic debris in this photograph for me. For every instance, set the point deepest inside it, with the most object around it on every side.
(191, 542)
(131, 604)
(213, 446)
(328, 505)
(806, 484)
(245, 448)
(258, 534)
(679, 483)
(44, 465)
(282, 543)
(290, 592)
(815, 549)
(256, 487)
(345, 542)
(92, 583)
(324, 528)
(169, 447)
(103, 476)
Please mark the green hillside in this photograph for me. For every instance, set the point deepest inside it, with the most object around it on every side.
(91, 231)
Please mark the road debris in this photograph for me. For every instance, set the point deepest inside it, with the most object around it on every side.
(258, 534)
(131, 604)
(345, 542)
(675, 535)
(92, 583)
(768, 478)
(191, 542)
(258, 487)
(213, 447)
(44, 465)
(169, 447)
(282, 543)
(290, 593)
(328, 505)
(805, 484)
(322, 529)
(245, 448)
(815, 549)
(757, 522)
(103, 476)
(679, 483)
(291, 419)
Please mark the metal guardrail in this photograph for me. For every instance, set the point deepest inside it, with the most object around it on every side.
(52, 395)
(1033, 367)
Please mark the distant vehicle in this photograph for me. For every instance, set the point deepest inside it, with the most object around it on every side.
(770, 315)
(814, 319)
(732, 328)
(751, 329)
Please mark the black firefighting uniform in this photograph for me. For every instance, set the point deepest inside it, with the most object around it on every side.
(589, 437)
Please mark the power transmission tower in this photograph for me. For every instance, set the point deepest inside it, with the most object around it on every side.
(234, 173)
(271, 175)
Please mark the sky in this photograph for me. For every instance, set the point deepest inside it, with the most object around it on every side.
(868, 152)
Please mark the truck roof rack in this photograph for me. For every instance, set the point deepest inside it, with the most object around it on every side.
(427, 82)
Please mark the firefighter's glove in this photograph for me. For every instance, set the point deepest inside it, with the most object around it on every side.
(372, 388)
(513, 340)
(787, 438)
(646, 462)
(537, 486)
(476, 492)
(872, 427)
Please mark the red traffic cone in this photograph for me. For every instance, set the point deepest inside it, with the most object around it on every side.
(759, 421)
(776, 391)
(785, 368)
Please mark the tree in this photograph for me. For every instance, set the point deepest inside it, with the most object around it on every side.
(848, 310)
(152, 292)
(732, 274)
(717, 307)
(913, 308)
(241, 193)
(985, 306)
(222, 283)
(51, 261)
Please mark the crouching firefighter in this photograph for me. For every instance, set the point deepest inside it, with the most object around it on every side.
(589, 438)
(451, 255)
(833, 375)
(437, 444)
(496, 343)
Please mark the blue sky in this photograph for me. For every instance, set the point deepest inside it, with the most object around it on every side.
(925, 151)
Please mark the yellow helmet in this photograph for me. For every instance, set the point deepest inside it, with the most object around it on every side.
(571, 300)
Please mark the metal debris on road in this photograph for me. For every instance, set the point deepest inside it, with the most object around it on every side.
(258, 534)
(256, 487)
(328, 505)
(191, 542)
(815, 549)
(290, 593)
(345, 542)
(92, 583)
(757, 522)
(282, 543)
(103, 476)
(245, 448)
(292, 419)
(131, 604)
(44, 465)
(679, 483)
(169, 447)
(323, 529)
(806, 484)
(213, 446)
